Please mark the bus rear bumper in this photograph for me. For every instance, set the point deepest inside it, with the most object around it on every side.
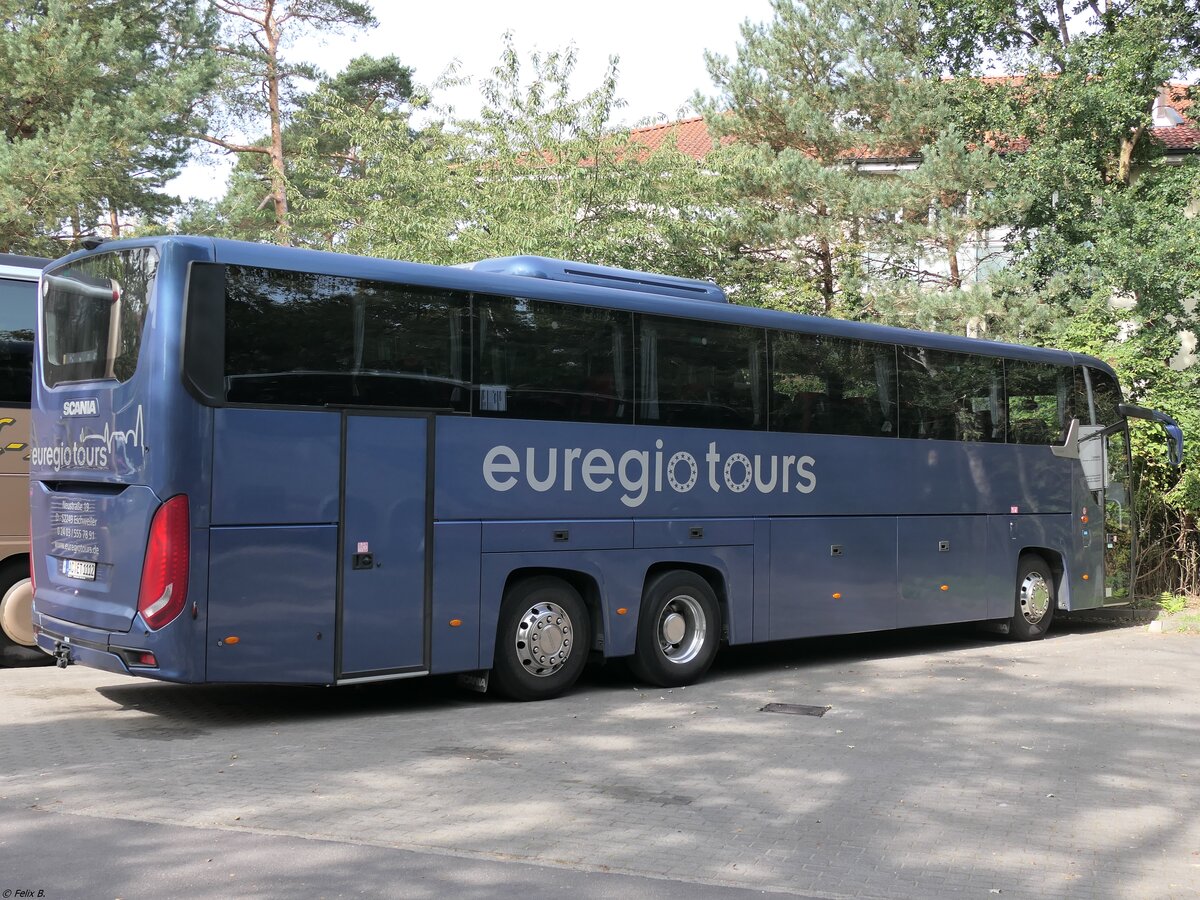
(68, 650)
(69, 644)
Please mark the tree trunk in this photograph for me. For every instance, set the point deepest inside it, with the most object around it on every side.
(1125, 159)
(825, 260)
(826, 255)
(952, 258)
(278, 172)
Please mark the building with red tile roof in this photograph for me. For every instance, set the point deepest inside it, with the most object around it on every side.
(1179, 134)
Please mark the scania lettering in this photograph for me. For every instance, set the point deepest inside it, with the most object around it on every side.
(80, 408)
(263, 464)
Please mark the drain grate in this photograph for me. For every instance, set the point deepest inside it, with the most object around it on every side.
(796, 709)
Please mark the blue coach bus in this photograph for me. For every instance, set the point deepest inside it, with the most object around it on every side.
(264, 464)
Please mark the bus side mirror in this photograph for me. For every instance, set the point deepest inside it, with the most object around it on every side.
(1174, 443)
(1169, 425)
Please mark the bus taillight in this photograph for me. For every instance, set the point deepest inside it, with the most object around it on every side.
(165, 571)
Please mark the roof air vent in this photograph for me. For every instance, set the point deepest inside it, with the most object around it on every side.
(601, 276)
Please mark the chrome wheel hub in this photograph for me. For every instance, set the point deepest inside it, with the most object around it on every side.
(544, 639)
(1035, 598)
(682, 629)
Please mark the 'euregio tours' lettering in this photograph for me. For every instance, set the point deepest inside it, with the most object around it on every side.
(71, 456)
(640, 472)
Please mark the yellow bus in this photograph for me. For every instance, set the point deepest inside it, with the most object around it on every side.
(18, 312)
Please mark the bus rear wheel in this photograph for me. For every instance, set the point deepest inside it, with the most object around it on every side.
(17, 647)
(679, 627)
(542, 639)
(1036, 598)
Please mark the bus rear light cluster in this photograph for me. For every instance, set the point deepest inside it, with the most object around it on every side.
(136, 659)
(165, 572)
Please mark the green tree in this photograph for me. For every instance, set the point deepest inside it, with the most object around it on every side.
(814, 101)
(259, 86)
(379, 91)
(540, 172)
(97, 104)
(1104, 244)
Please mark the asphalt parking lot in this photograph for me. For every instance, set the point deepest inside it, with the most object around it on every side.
(948, 764)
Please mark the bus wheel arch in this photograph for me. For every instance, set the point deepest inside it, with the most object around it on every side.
(545, 606)
(679, 624)
(1039, 577)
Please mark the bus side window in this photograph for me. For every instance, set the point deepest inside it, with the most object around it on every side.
(16, 370)
(694, 374)
(537, 359)
(311, 339)
(950, 396)
(830, 385)
(1041, 401)
(1106, 396)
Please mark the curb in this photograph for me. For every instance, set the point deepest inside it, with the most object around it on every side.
(1154, 620)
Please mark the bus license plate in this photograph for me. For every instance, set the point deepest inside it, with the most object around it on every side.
(79, 568)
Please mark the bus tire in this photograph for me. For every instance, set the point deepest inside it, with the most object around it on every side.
(679, 628)
(542, 639)
(1036, 599)
(16, 618)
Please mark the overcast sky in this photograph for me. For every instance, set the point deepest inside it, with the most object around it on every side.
(660, 43)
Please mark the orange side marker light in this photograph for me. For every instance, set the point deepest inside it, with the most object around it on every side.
(454, 623)
(622, 611)
(232, 639)
(837, 596)
(945, 587)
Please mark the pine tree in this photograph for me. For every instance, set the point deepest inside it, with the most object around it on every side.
(817, 102)
(98, 101)
(258, 86)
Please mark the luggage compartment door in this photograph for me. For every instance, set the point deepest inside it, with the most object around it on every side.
(383, 619)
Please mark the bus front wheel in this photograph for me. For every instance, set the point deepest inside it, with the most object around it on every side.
(542, 640)
(1036, 597)
(679, 627)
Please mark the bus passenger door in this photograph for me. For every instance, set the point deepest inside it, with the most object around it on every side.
(386, 512)
(1118, 520)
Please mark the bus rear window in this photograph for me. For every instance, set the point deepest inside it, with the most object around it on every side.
(93, 315)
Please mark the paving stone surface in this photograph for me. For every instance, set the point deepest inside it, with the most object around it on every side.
(948, 765)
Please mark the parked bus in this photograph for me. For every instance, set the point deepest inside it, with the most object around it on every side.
(264, 464)
(18, 312)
